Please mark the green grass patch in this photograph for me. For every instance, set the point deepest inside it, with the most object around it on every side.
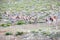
(5, 25)
(8, 33)
(19, 33)
(20, 22)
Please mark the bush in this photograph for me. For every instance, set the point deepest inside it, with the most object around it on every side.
(46, 33)
(8, 33)
(0, 17)
(8, 24)
(30, 22)
(19, 33)
(5, 25)
(2, 25)
(34, 31)
(57, 34)
(20, 22)
(40, 29)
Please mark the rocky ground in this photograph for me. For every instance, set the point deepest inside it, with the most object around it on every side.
(27, 28)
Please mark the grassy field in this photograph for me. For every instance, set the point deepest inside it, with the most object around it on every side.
(28, 5)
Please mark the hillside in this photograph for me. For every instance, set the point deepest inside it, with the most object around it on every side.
(29, 19)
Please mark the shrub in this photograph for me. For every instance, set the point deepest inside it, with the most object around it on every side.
(40, 29)
(2, 25)
(0, 17)
(57, 34)
(46, 33)
(8, 24)
(8, 33)
(34, 32)
(20, 22)
(19, 33)
(30, 22)
(5, 25)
